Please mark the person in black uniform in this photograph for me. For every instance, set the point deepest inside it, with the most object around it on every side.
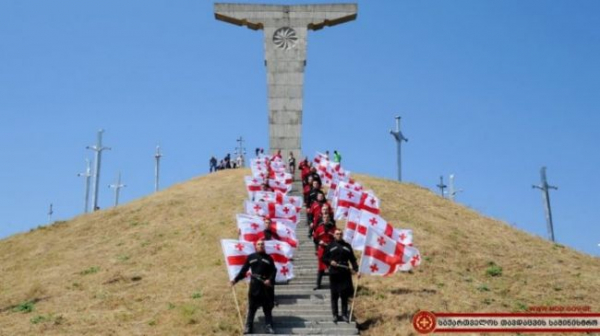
(268, 231)
(340, 258)
(312, 195)
(260, 292)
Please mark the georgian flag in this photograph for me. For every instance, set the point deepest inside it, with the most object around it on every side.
(331, 193)
(384, 256)
(279, 198)
(319, 157)
(249, 224)
(253, 185)
(352, 224)
(235, 253)
(284, 232)
(325, 172)
(277, 164)
(346, 198)
(351, 184)
(259, 169)
(257, 223)
(282, 253)
(273, 210)
(377, 223)
(369, 202)
(284, 177)
(280, 186)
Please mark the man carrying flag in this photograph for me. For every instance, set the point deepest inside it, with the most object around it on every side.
(260, 292)
(342, 264)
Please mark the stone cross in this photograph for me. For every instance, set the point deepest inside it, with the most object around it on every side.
(285, 32)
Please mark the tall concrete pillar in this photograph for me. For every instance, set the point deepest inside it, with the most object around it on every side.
(285, 30)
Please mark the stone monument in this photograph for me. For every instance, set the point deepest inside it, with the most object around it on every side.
(285, 29)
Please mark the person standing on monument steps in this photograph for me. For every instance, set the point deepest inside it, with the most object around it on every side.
(337, 157)
(323, 235)
(260, 292)
(340, 259)
(292, 164)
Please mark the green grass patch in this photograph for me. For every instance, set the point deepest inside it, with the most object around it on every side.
(40, 318)
(24, 307)
(197, 295)
(91, 270)
(493, 270)
(483, 288)
(520, 306)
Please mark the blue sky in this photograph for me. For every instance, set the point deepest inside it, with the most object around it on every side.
(488, 90)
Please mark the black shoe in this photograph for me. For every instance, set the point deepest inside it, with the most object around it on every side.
(335, 319)
(247, 330)
(318, 287)
(345, 318)
(269, 329)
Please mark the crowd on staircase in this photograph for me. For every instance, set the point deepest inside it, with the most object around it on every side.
(263, 254)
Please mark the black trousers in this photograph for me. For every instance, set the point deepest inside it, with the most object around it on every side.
(335, 295)
(253, 307)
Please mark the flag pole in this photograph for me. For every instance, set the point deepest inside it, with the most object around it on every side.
(356, 287)
(237, 306)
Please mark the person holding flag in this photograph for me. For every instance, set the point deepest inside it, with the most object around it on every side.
(260, 293)
(322, 236)
(340, 259)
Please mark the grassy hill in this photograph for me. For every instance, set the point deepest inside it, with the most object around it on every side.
(154, 266)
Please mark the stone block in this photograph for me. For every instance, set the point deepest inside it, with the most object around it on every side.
(285, 66)
(285, 91)
(285, 78)
(294, 104)
(285, 143)
(279, 117)
(285, 130)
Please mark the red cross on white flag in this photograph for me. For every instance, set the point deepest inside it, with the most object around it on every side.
(384, 256)
(377, 223)
(235, 253)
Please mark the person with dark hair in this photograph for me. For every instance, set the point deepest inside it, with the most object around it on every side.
(304, 168)
(323, 235)
(314, 191)
(260, 292)
(340, 259)
(227, 161)
(292, 164)
(213, 164)
(315, 212)
(337, 157)
(314, 174)
(306, 191)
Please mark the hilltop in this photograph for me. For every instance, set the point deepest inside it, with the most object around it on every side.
(154, 266)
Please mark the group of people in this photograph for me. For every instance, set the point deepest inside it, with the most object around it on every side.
(335, 256)
(225, 163)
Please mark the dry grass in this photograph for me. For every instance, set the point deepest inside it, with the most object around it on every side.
(151, 267)
(458, 246)
(154, 266)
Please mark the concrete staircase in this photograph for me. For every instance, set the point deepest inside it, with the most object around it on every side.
(302, 310)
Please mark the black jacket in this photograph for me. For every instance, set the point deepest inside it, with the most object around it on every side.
(340, 277)
(263, 268)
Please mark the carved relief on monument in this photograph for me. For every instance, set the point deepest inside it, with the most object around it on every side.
(285, 38)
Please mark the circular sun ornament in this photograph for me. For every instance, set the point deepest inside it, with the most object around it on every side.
(285, 38)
